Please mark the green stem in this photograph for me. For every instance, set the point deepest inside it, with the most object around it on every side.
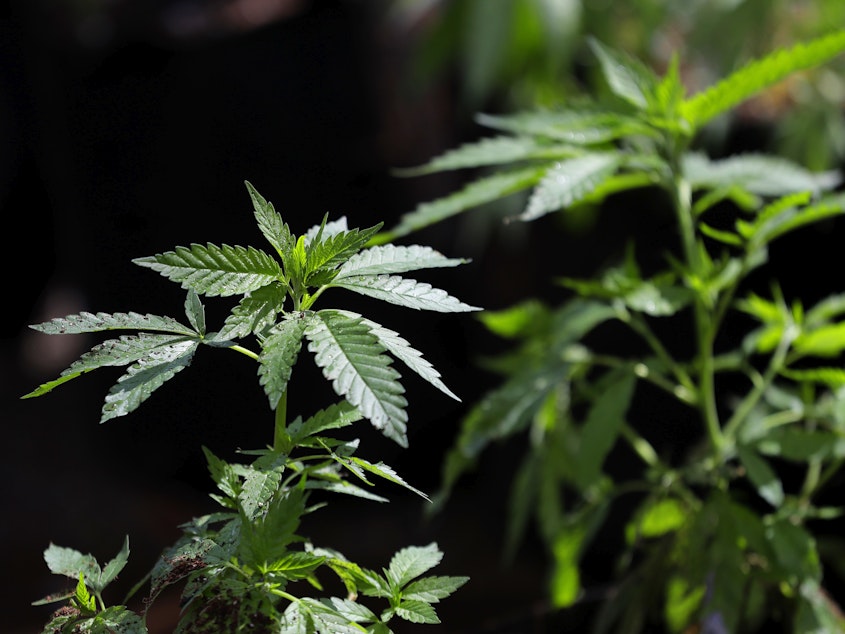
(246, 351)
(640, 326)
(760, 386)
(641, 446)
(281, 438)
(682, 195)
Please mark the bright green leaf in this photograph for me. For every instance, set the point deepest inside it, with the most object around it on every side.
(215, 270)
(404, 292)
(352, 358)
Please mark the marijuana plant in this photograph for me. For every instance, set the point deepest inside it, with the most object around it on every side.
(240, 565)
(722, 534)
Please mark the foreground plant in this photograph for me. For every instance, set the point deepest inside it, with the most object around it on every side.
(245, 567)
(723, 535)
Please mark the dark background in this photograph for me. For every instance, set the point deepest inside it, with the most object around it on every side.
(128, 128)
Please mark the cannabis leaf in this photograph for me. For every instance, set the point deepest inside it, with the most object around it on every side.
(352, 358)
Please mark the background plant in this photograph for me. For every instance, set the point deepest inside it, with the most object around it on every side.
(520, 53)
(723, 533)
(240, 564)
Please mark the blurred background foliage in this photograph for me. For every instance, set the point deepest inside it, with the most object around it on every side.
(129, 126)
(514, 54)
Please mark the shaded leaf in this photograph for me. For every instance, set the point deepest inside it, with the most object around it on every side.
(576, 126)
(569, 182)
(494, 151)
(279, 352)
(762, 476)
(478, 192)
(603, 423)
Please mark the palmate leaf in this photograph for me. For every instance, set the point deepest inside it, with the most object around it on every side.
(478, 192)
(404, 292)
(759, 74)
(112, 352)
(495, 151)
(270, 222)
(89, 322)
(278, 356)
(147, 375)
(352, 358)
(390, 259)
(215, 270)
(402, 350)
(569, 182)
(755, 173)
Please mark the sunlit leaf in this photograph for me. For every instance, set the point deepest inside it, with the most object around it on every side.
(215, 270)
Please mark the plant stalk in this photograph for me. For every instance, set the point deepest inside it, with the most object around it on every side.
(682, 198)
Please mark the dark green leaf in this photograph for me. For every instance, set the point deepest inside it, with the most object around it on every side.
(569, 182)
(271, 225)
(762, 476)
(483, 190)
(279, 352)
(604, 421)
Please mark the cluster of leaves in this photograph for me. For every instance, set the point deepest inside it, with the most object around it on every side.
(524, 52)
(719, 537)
(237, 564)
